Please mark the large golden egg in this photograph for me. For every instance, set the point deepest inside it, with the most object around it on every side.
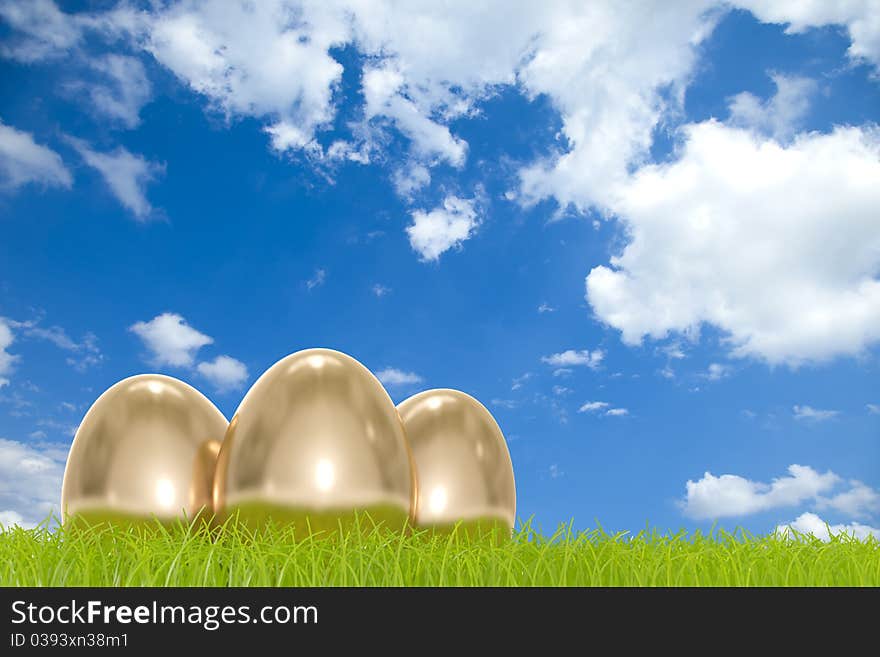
(463, 467)
(145, 450)
(315, 443)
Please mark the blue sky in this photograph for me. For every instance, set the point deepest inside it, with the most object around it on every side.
(646, 238)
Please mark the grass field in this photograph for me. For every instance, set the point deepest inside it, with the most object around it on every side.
(195, 557)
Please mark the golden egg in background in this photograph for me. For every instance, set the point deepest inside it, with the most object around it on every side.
(315, 441)
(463, 467)
(145, 450)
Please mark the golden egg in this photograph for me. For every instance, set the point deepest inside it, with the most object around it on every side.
(463, 467)
(145, 450)
(317, 444)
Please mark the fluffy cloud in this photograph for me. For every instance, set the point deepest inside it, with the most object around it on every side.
(267, 59)
(781, 115)
(810, 414)
(858, 16)
(30, 481)
(392, 377)
(717, 371)
(122, 90)
(42, 30)
(571, 357)
(126, 174)
(224, 372)
(860, 501)
(602, 408)
(171, 340)
(23, 161)
(777, 246)
(731, 495)
(811, 524)
(428, 65)
(7, 360)
(611, 89)
(431, 140)
(433, 233)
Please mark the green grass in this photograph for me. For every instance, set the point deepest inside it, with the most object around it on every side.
(162, 556)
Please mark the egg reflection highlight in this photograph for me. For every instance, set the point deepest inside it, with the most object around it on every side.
(462, 464)
(145, 450)
(315, 442)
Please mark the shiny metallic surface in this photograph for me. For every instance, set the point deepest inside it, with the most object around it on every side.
(143, 451)
(201, 490)
(315, 440)
(463, 467)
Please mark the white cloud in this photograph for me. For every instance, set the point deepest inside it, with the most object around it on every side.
(777, 246)
(410, 178)
(561, 390)
(7, 360)
(431, 140)
(810, 414)
(435, 232)
(30, 481)
(873, 409)
(123, 90)
(717, 371)
(571, 358)
(64, 429)
(810, 523)
(317, 280)
(224, 372)
(546, 308)
(126, 174)
(781, 115)
(380, 290)
(674, 351)
(392, 377)
(563, 372)
(858, 16)
(42, 30)
(617, 412)
(267, 59)
(860, 501)
(170, 339)
(23, 161)
(611, 89)
(593, 406)
(430, 64)
(9, 519)
(731, 495)
(84, 354)
(519, 381)
(509, 404)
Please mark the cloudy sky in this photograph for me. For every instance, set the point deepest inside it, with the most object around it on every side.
(646, 235)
